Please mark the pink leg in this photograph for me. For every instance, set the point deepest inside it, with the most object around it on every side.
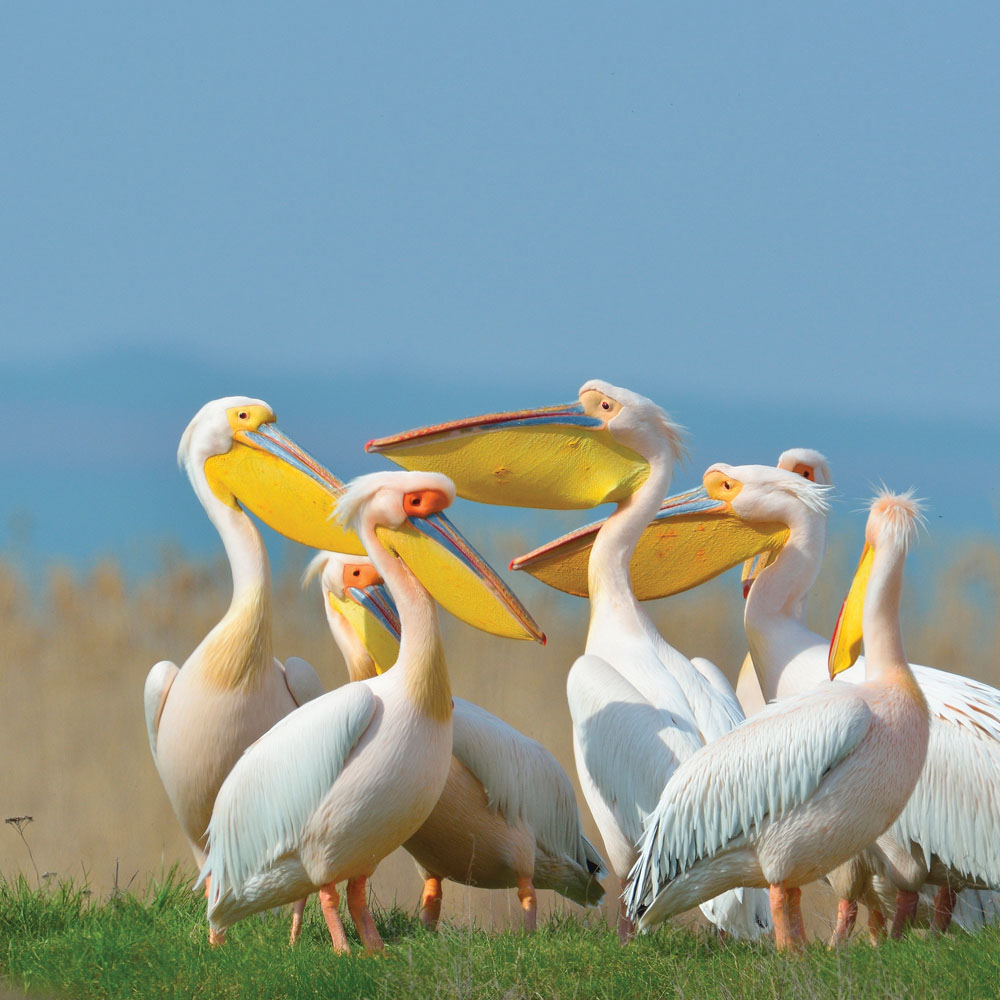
(787, 922)
(626, 928)
(906, 909)
(847, 913)
(876, 922)
(944, 906)
(329, 903)
(795, 911)
(215, 938)
(430, 902)
(361, 915)
(529, 903)
(298, 908)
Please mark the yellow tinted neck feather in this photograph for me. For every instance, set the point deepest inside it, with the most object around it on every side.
(421, 655)
(239, 650)
(428, 685)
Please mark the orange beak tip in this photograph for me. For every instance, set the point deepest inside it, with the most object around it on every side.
(511, 565)
(746, 589)
(543, 639)
(368, 444)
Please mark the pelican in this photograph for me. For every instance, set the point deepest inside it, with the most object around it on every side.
(639, 707)
(507, 816)
(940, 837)
(231, 689)
(868, 876)
(808, 782)
(371, 758)
(811, 465)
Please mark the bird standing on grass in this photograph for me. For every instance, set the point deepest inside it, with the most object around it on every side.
(231, 689)
(342, 781)
(507, 816)
(638, 705)
(808, 782)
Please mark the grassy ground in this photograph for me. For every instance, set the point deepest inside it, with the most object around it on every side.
(59, 942)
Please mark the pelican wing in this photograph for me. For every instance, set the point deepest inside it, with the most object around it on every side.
(762, 769)
(154, 697)
(522, 780)
(629, 747)
(954, 809)
(268, 798)
(302, 681)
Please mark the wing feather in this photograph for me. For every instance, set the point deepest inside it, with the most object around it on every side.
(266, 801)
(954, 811)
(154, 697)
(629, 747)
(522, 780)
(302, 681)
(723, 793)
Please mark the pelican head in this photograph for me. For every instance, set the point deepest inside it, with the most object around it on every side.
(893, 520)
(571, 456)
(405, 509)
(233, 447)
(805, 462)
(355, 593)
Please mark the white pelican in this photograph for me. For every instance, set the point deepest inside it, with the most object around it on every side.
(859, 878)
(948, 833)
(811, 465)
(507, 816)
(370, 759)
(639, 707)
(808, 782)
(231, 689)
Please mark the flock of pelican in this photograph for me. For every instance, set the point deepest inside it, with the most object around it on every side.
(886, 782)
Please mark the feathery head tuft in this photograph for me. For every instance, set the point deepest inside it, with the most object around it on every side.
(895, 518)
(360, 491)
(315, 567)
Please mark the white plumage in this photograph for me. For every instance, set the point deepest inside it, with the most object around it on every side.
(638, 705)
(507, 816)
(805, 783)
(949, 832)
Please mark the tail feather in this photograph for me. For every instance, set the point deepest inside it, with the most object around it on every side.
(569, 879)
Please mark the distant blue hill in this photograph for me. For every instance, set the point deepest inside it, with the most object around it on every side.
(91, 471)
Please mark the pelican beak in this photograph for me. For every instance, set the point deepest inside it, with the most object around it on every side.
(371, 612)
(845, 646)
(694, 537)
(456, 576)
(271, 476)
(752, 567)
(556, 457)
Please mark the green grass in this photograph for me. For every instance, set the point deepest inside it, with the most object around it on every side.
(61, 942)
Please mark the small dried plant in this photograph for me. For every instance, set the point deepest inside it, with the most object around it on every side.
(19, 823)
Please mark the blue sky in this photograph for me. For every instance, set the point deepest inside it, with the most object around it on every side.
(770, 217)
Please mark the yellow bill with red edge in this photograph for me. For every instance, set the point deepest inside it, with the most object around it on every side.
(845, 645)
(371, 613)
(271, 476)
(692, 538)
(554, 457)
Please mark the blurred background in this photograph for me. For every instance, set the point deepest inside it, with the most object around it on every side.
(781, 223)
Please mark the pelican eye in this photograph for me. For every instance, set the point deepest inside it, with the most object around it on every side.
(605, 405)
(356, 572)
(807, 473)
(243, 415)
(727, 485)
